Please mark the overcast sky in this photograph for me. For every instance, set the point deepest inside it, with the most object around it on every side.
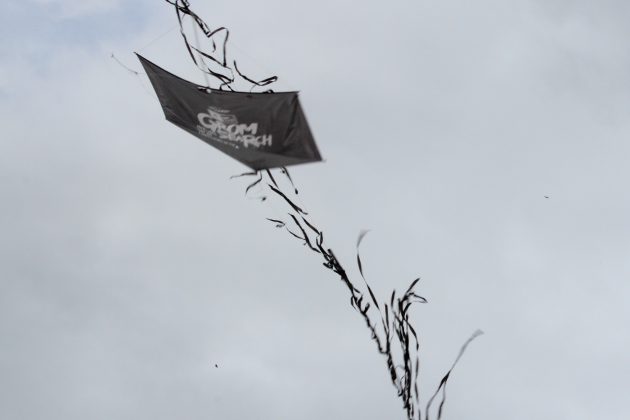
(130, 264)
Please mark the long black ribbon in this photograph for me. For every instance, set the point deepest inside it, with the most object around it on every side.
(395, 328)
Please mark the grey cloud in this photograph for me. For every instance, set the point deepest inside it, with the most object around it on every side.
(130, 265)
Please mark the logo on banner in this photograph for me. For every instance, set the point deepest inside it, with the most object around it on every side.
(218, 124)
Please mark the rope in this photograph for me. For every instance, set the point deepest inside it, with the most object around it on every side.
(157, 38)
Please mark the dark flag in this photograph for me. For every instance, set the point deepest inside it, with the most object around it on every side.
(260, 130)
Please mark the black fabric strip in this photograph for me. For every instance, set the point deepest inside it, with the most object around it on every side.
(444, 380)
(306, 238)
(244, 174)
(263, 82)
(253, 184)
(293, 205)
(272, 178)
(313, 228)
(286, 172)
(279, 223)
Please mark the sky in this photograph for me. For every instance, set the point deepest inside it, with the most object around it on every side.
(131, 265)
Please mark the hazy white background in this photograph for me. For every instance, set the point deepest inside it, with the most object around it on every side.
(130, 265)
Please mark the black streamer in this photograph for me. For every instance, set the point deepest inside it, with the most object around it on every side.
(394, 335)
(182, 10)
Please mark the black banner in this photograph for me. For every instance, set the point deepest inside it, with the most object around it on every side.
(260, 130)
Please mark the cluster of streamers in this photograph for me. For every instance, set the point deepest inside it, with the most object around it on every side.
(215, 61)
(389, 321)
